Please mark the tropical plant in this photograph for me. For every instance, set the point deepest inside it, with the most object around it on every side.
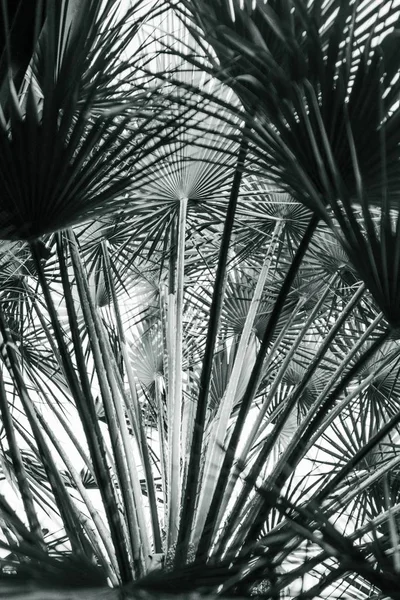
(198, 300)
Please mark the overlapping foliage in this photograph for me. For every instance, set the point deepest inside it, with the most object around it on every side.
(199, 299)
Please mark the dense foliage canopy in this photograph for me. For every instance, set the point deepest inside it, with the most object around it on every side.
(200, 297)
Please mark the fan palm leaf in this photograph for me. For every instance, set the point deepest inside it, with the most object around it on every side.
(61, 158)
(323, 72)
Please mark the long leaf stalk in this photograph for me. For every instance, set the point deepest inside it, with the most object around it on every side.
(142, 445)
(298, 445)
(67, 510)
(122, 448)
(45, 327)
(170, 334)
(158, 545)
(64, 424)
(375, 523)
(135, 414)
(217, 439)
(257, 428)
(336, 410)
(15, 524)
(158, 392)
(276, 480)
(188, 415)
(326, 581)
(108, 361)
(358, 457)
(291, 401)
(110, 567)
(393, 531)
(43, 492)
(311, 368)
(298, 440)
(19, 469)
(122, 338)
(206, 539)
(8, 530)
(176, 405)
(343, 500)
(161, 396)
(232, 519)
(85, 406)
(190, 492)
(299, 572)
(96, 518)
(336, 545)
(66, 427)
(122, 451)
(346, 498)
